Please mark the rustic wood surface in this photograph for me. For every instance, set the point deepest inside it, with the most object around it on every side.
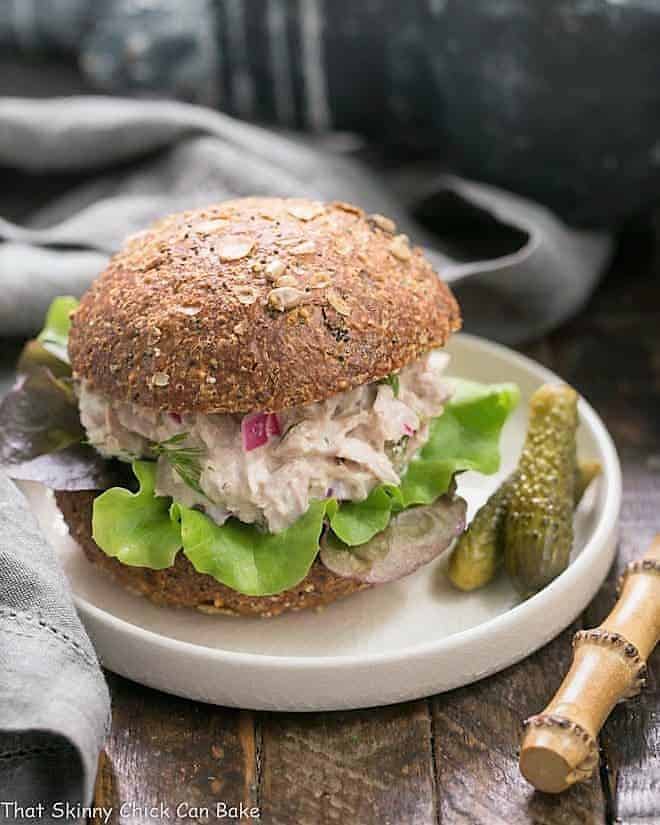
(452, 758)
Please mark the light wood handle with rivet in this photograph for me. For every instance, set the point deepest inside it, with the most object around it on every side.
(560, 747)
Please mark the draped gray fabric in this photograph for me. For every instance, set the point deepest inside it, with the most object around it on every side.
(54, 703)
(175, 156)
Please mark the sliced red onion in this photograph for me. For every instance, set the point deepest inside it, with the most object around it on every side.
(408, 430)
(257, 428)
(413, 538)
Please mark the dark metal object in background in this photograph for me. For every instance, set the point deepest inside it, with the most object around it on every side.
(555, 100)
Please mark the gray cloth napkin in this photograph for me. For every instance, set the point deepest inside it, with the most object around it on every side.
(54, 703)
(530, 273)
(135, 161)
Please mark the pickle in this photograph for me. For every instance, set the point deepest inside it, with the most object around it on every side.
(586, 472)
(538, 526)
(479, 553)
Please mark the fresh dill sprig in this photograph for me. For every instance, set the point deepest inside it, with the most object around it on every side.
(393, 380)
(186, 461)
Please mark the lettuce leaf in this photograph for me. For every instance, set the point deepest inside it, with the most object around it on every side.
(413, 537)
(145, 530)
(35, 356)
(38, 415)
(41, 437)
(465, 437)
(40, 429)
(55, 335)
(136, 528)
(356, 522)
(247, 560)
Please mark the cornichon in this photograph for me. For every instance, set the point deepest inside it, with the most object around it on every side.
(479, 553)
(586, 473)
(538, 527)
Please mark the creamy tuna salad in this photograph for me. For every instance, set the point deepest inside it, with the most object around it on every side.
(266, 468)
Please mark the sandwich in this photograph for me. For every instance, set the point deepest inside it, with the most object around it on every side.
(250, 410)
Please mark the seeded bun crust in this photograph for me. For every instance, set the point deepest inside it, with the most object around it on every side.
(182, 586)
(258, 304)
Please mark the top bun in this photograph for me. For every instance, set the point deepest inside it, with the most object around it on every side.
(257, 304)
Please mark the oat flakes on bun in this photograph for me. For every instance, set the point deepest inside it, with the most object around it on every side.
(273, 373)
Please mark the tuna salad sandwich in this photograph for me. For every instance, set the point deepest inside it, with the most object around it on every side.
(250, 410)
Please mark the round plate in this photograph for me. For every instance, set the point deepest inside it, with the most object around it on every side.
(400, 641)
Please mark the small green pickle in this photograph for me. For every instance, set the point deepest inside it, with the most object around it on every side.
(587, 471)
(538, 527)
(479, 553)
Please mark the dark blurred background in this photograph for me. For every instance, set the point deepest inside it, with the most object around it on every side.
(557, 100)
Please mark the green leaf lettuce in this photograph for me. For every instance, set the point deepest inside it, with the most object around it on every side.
(55, 334)
(145, 530)
(246, 559)
(136, 528)
(465, 437)
(356, 522)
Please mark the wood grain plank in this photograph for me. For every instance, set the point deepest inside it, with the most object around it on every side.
(631, 738)
(167, 751)
(611, 352)
(477, 731)
(371, 767)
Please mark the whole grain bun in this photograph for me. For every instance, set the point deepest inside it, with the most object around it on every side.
(182, 586)
(258, 304)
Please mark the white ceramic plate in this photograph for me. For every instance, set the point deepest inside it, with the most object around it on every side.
(400, 641)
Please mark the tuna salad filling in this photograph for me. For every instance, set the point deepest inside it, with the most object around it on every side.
(266, 468)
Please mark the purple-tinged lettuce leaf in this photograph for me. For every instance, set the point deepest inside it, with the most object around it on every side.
(413, 537)
(38, 415)
(77, 467)
(40, 429)
(35, 355)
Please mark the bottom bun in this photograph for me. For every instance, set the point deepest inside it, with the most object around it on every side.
(182, 586)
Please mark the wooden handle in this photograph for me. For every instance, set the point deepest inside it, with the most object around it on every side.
(609, 664)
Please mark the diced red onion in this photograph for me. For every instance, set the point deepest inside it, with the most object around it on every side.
(175, 417)
(273, 424)
(257, 428)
